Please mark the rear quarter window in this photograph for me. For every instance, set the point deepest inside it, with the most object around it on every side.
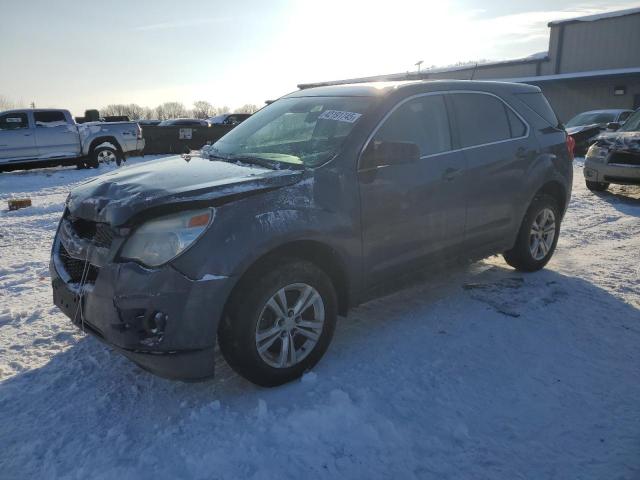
(539, 104)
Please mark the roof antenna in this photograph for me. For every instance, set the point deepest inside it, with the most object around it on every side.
(473, 72)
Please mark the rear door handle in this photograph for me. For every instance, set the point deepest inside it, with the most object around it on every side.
(450, 173)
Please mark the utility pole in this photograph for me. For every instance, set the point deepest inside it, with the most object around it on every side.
(417, 64)
(33, 104)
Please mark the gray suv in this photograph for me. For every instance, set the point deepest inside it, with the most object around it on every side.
(302, 212)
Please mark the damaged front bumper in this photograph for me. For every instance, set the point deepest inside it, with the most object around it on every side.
(612, 172)
(159, 318)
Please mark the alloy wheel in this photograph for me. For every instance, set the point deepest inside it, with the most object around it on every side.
(542, 234)
(106, 156)
(290, 325)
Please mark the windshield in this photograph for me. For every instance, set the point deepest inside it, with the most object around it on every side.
(305, 130)
(632, 124)
(589, 118)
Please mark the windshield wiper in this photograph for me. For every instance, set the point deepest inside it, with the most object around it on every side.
(242, 159)
(261, 162)
(255, 160)
(265, 162)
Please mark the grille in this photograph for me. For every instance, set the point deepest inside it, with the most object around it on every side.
(75, 267)
(625, 158)
(98, 233)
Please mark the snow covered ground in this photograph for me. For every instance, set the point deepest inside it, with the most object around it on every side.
(481, 372)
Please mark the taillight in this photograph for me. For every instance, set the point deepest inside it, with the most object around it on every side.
(571, 145)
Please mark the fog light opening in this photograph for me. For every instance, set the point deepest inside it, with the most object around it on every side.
(156, 323)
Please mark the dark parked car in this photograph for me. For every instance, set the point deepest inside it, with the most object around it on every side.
(229, 118)
(149, 122)
(615, 157)
(303, 211)
(586, 126)
(184, 122)
(116, 118)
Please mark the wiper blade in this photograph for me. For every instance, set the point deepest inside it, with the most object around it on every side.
(212, 156)
(262, 162)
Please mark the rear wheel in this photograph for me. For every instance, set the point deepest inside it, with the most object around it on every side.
(596, 186)
(279, 322)
(538, 235)
(104, 155)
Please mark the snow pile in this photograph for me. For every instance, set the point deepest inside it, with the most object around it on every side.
(479, 372)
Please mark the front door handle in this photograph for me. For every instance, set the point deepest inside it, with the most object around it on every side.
(450, 173)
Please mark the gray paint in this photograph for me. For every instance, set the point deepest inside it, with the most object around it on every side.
(377, 223)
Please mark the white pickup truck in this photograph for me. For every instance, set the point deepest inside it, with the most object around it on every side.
(44, 137)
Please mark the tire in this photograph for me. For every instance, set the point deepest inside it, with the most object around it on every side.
(596, 186)
(251, 314)
(104, 155)
(527, 255)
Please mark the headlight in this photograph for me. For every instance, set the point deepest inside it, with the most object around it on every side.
(597, 154)
(162, 239)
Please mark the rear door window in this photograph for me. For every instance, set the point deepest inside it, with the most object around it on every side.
(423, 121)
(481, 119)
(49, 119)
(13, 121)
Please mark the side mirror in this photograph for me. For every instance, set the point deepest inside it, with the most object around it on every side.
(613, 126)
(381, 153)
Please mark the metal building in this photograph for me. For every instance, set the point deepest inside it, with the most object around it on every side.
(593, 62)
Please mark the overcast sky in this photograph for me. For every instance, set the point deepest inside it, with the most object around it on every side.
(79, 54)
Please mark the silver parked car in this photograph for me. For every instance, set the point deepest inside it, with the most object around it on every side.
(44, 137)
(615, 157)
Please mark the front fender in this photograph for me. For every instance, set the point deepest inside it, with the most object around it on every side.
(247, 229)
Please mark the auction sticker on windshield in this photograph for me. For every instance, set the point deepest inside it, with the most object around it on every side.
(349, 117)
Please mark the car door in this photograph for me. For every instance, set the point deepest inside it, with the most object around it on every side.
(56, 136)
(17, 140)
(414, 209)
(496, 143)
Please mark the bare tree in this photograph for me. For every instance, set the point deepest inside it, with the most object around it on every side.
(221, 110)
(203, 109)
(170, 110)
(6, 104)
(147, 113)
(247, 108)
(132, 110)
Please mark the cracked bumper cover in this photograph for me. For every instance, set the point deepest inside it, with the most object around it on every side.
(121, 309)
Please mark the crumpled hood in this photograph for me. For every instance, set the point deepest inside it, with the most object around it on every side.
(620, 141)
(117, 196)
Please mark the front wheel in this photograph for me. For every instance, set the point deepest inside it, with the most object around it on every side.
(538, 235)
(279, 323)
(596, 186)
